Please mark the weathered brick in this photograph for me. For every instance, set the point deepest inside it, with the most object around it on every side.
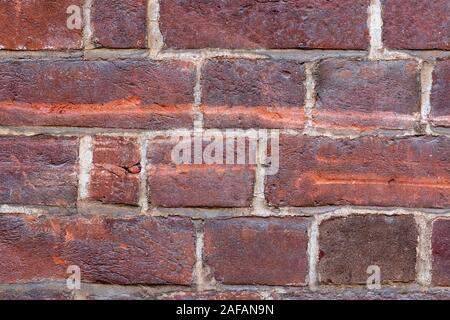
(38, 25)
(196, 185)
(441, 253)
(349, 245)
(214, 295)
(440, 94)
(270, 251)
(137, 94)
(127, 251)
(265, 24)
(119, 23)
(115, 170)
(40, 170)
(365, 95)
(416, 24)
(369, 171)
(241, 93)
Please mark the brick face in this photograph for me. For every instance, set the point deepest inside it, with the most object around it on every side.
(119, 23)
(134, 94)
(363, 95)
(115, 172)
(127, 251)
(257, 251)
(441, 253)
(216, 185)
(248, 93)
(440, 94)
(369, 171)
(40, 170)
(416, 24)
(348, 246)
(265, 24)
(38, 25)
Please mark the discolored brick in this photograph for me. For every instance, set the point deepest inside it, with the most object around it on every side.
(441, 253)
(269, 251)
(196, 185)
(240, 93)
(126, 251)
(129, 94)
(416, 24)
(119, 23)
(39, 170)
(440, 94)
(251, 24)
(115, 171)
(368, 171)
(349, 245)
(38, 25)
(367, 95)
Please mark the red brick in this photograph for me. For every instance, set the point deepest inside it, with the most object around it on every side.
(265, 24)
(253, 93)
(38, 25)
(127, 251)
(349, 245)
(440, 95)
(265, 251)
(441, 252)
(119, 23)
(196, 185)
(136, 94)
(115, 171)
(416, 24)
(40, 170)
(369, 171)
(365, 95)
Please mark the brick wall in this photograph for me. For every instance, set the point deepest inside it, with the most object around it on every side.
(358, 91)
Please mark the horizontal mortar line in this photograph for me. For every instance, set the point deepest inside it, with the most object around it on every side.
(83, 131)
(225, 212)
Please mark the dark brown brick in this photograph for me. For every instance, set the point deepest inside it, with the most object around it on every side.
(38, 170)
(127, 251)
(369, 171)
(440, 94)
(38, 25)
(115, 171)
(214, 295)
(270, 251)
(196, 185)
(349, 245)
(364, 95)
(265, 24)
(119, 23)
(416, 24)
(253, 93)
(441, 253)
(136, 94)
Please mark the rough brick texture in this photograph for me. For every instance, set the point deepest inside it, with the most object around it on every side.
(348, 246)
(133, 139)
(441, 253)
(257, 250)
(364, 95)
(369, 171)
(115, 172)
(119, 23)
(416, 24)
(216, 185)
(440, 94)
(140, 250)
(136, 94)
(265, 24)
(38, 25)
(253, 93)
(38, 170)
